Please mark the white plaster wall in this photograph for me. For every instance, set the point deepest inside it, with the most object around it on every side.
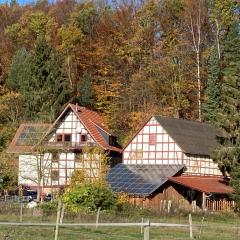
(71, 125)
(153, 154)
(165, 151)
(27, 173)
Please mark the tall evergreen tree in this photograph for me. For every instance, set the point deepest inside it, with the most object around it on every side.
(228, 154)
(85, 91)
(19, 71)
(210, 107)
(48, 89)
(39, 80)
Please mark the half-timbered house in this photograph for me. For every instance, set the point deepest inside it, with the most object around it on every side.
(169, 159)
(49, 153)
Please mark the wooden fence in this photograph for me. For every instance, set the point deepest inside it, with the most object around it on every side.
(143, 225)
(14, 198)
(219, 205)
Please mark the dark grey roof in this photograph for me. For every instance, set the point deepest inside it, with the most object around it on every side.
(192, 137)
(140, 180)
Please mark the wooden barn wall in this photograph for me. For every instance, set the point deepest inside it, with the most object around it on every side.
(178, 196)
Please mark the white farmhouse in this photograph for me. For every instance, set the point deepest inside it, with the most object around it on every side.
(49, 153)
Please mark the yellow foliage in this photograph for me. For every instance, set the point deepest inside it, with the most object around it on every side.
(122, 198)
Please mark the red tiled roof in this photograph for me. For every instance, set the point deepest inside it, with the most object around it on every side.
(204, 184)
(91, 120)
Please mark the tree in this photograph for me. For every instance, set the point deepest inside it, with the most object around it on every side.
(85, 91)
(13, 3)
(40, 81)
(223, 17)
(19, 71)
(228, 154)
(35, 167)
(211, 105)
(195, 19)
(8, 171)
(88, 189)
(10, 106)
(48, 83)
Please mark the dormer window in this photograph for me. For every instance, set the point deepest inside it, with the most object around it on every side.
(67, 137)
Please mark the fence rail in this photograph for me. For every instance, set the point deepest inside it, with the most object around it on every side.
(14, 198)
(140, 224)
(144, 225)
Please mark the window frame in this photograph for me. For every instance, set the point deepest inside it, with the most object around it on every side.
(55, 175)
(152, 138)
(68, 135)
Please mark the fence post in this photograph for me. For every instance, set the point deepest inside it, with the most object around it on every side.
(21, 212)
(169, 206)
(146, 230)
(62, 213)
(97, 218)
(190, 226)
(58, 219)
(200, 232)
(142, 226)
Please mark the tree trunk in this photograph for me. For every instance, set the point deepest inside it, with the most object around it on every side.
(218, 43)
(199, 88)
(69, 69)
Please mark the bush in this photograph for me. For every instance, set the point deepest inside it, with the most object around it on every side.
(49, 206)
(89, 197)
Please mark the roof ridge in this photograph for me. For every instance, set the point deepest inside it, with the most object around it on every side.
(183, 119)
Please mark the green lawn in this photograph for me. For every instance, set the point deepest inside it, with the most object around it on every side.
(220, 227)
(216, 226)
(106, 233)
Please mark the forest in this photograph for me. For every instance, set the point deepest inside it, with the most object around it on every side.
(127, 59)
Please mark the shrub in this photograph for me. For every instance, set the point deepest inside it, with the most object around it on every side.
(49, 206)
(89, 197)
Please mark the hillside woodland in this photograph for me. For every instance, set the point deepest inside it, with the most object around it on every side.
(127, 59)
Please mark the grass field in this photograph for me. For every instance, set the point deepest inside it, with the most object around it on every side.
(220, 227)
(223, 232)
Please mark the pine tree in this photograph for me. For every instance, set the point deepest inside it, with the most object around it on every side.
(39, 80)
(210, 107)
(19, 71)
(228, 154)
(85, 91)
(48, 88)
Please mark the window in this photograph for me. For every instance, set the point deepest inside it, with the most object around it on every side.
(55, 175)
(59, 137)
(55, 157)
(112, 141)
(67, 137)
(83, 137)
(152, 139)
(137, 154)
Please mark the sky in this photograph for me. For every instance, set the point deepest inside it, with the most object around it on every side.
(19, 1)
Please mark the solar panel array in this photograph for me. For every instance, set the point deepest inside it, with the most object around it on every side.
(140, 180)
(30, 135)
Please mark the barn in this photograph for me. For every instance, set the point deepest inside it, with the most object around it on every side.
(168, 161)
